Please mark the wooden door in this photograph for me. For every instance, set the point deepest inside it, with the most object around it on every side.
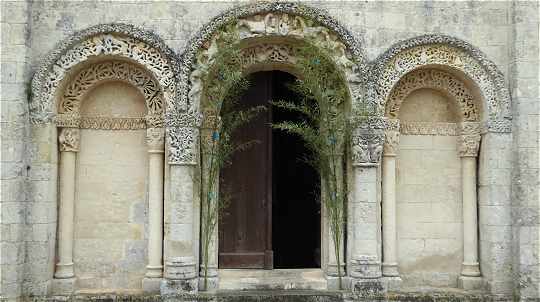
(245, 230)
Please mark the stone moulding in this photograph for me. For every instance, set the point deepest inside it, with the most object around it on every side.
(415, 53)
(117, 40)
(319, 16)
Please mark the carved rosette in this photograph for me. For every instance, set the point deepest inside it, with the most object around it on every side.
(183, 138)
(69, 139)
(391, 138)
(469, 139)
(155, 139)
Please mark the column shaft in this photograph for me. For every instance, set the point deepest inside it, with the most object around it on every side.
(155, 215)
(470, 221)
(389, 216)
(64, 267)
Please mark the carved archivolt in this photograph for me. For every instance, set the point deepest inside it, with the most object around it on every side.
(70, 101)
(292, 26)
(413, 54)
(434, 79)
(86, 46)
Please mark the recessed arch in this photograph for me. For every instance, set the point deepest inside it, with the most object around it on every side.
(451, 53)
(118, 40)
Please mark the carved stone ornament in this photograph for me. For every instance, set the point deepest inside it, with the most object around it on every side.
(391, 137)
(293, 21)
(367, 147)
(113, 40)
(434, 79)
(155, 139)
(184, 138)
(429, 128)
(112, 70)
(69, 139)
(453, 53)
(469, 139)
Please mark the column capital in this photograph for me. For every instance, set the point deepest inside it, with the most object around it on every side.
(391, 137)
(69, 139)
(155, 139)
(469, 139)
(367, 146)
(183, 135)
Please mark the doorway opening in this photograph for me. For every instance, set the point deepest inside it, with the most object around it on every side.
(274, 216)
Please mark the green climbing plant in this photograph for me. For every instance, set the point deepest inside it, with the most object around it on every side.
(325, 128)
(223, 84)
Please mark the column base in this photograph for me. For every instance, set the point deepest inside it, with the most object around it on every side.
(151, 285)
(367, 287)
(64, 271)
(154, 272)
(63, 287)
(392, 284)
(390, 270)
(470, 283)
(470, 269)
(178, 287)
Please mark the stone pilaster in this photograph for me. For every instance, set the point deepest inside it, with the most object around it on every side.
(364, 265)
(182, 211)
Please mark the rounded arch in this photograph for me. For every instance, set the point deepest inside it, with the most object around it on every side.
(438, 80)
(453, 54)
(267, 21)
(116, 40)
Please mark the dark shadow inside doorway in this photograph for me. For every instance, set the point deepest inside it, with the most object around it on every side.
(296, 217)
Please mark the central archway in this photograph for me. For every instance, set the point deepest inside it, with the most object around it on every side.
(269, 35)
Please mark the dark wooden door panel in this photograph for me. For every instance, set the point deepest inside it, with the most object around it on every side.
(244, 231)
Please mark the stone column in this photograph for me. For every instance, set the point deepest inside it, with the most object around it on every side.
(210, 123)
(155, 142)
(389, 231)
(181, 210)
(364, 231)
(468, 145)
(68, 139)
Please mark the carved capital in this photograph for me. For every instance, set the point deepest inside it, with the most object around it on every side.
(69, 139)
(155, 139)
(183, 145)
(391, 137)
(469, 139)
(367, 146)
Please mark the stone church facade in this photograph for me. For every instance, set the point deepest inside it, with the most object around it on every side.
(102, 118)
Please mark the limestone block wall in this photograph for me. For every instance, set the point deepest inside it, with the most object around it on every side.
(507, 32)
(525, 198)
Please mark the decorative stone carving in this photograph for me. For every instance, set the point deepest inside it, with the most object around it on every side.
(119, 40)
(428, 128)
(69, 140)
(435, 79)
(112, 70)
(391, 137)
(469, 139)
(155, 139)
(425, 50)
(264, 19)
(183, 138)
(367, 146)
(112, 123)
(69, 120)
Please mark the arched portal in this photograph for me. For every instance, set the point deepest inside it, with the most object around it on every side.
(269, 35)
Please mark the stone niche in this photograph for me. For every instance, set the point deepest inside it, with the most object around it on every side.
(111, 180)
(429, 209)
